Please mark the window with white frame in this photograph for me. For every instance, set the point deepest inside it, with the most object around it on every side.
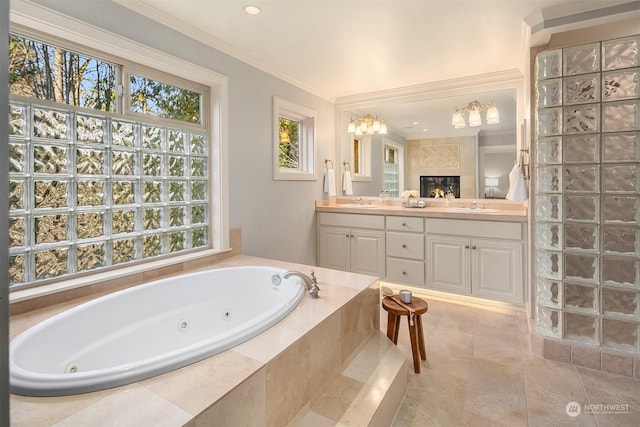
(294, 144)
(102, 173)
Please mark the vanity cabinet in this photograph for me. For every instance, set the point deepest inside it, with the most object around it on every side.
(405, 250)
(478, 258)
(352, 242)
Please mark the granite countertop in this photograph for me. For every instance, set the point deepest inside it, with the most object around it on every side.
(486, 210)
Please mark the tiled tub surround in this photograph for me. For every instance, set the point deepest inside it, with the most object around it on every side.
(267, 380)
(587, 203)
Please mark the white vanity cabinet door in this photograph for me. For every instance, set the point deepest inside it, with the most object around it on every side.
(342, 245)
(367, 252)
(482, 267)
(448, 266)
(497, 267)
(334, 248)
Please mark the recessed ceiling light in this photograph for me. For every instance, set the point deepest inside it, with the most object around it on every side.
(252, 10)
(425, 130)
(415, 123)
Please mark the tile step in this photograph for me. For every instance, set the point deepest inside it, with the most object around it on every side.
(368, 392)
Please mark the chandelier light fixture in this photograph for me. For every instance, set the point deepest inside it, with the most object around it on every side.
(367, 125)
(473, 109)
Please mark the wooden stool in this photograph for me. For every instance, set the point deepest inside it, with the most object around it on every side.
(416, 334)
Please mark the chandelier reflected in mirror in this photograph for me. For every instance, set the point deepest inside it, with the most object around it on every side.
(367, 125)
(473, 109)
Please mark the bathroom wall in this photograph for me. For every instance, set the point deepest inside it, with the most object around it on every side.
(277, 218)
(4, 217)
(443, 156)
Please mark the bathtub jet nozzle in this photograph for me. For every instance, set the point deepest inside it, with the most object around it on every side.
(309, 281)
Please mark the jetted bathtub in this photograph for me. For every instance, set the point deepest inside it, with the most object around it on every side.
(149, 329)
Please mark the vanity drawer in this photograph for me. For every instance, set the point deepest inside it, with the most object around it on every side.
(351, 220)
(405, 271)
(405, 223)
(471, 228)
(405, 245)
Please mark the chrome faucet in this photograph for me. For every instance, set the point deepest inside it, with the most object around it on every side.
(309, 281)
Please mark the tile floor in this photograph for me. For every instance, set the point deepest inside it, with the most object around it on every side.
(479, 372)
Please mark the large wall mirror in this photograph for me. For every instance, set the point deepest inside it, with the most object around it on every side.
(423, 151)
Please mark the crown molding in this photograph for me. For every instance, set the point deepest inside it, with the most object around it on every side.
(507, 79)
(573, 16)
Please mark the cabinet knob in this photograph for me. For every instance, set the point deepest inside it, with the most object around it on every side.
(466, 246)
(473, 247)
(404, 224)
(347, 235)
(404, 246)
(404, 273)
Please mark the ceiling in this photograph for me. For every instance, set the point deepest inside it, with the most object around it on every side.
(341, 49)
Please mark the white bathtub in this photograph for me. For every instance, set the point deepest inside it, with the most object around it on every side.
(148, 330)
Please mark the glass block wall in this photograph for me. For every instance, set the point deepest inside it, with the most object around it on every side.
(88, 192)
(391, 184)
(587, 193)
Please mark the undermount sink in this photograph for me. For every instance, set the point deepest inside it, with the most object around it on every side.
(355, 205)
(472, 210)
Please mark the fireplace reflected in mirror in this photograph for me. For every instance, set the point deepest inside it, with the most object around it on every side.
(437, 186)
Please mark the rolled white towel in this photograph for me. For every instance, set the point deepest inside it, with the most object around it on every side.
(330, 182)
(347, 184)
(517, 186)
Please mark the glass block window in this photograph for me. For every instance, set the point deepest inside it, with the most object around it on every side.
(391, 171)
(96, 188)
(587, 201)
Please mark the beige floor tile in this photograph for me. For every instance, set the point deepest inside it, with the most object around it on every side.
(470, 419)
(496, 392)
(553, 413)
(441, 397)
(498, 346)
(604, 390)
(552, 382)
(458, 341)
(501, 321)
(485, 356)
(435, 306)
